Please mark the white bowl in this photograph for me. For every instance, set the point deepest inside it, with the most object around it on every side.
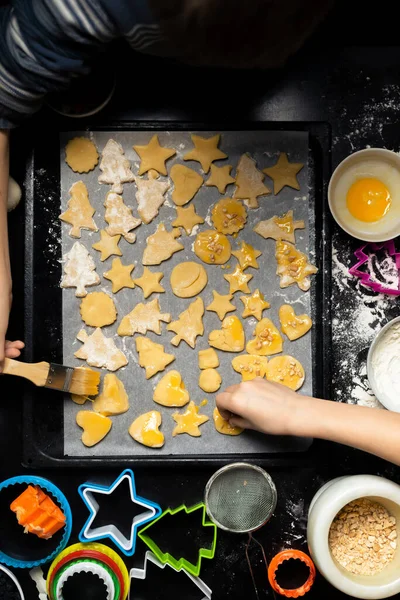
(359, 229)
(330, 499)
(382, 397)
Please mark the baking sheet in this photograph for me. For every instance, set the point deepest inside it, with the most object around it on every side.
(264, 146)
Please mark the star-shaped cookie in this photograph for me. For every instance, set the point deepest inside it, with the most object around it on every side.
(284, 173)
(220, 177)
(205, 151)
(107, 245)
(161, 245)
(238, 281)
(144, 318)
(221, 304)
(120, 275)
(150, 282)
(254, 305)
(247, 256)
(189, 421)
(187, 218)
(154, 156)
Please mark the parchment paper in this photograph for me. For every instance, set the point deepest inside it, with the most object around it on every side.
(264, 146)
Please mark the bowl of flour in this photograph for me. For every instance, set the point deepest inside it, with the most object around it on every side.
(383, 365)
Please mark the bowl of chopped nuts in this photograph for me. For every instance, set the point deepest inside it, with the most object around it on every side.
(352, 531)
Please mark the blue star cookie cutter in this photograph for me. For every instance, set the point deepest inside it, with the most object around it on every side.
(90, 532)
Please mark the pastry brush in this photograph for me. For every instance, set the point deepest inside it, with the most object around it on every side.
(79, 380)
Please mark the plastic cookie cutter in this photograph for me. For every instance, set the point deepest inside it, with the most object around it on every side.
(181, 563)
(150, 557)
(281, 558)
(89, 532)
(98, 554)
(365, 276)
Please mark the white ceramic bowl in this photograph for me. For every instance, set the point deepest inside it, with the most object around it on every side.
(368, 232)
(382, 397)
(14, 579)
(328, 501)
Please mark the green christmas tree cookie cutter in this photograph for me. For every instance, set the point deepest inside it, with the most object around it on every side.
(181, 563)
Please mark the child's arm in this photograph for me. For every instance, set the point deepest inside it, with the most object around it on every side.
(274, 409)
(10, 349)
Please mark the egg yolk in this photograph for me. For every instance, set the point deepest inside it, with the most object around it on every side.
(368, 200)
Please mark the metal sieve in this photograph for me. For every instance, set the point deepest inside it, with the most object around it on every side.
(240, 498)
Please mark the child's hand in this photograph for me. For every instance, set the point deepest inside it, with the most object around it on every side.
(260, 405)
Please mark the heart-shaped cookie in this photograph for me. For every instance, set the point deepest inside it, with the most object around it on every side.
(171, 391)
(230, 337)
(95, 426)
(293, 326)
(145, 430)
(267, 339)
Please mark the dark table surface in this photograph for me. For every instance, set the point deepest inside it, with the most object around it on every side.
(335, 79)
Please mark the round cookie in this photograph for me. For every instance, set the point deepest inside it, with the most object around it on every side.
(188, 279)
(210, 380)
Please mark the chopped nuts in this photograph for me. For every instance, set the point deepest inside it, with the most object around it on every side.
(362, 537)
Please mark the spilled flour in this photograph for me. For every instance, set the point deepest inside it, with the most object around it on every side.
(358, 313)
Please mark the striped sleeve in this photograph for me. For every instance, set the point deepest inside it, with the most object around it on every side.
(44, 43)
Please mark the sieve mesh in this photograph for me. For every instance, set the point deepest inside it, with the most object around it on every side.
(240, 497)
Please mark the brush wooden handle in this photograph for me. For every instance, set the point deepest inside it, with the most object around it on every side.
(36, 372)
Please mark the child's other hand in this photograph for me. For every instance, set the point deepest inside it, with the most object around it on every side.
(260, 405)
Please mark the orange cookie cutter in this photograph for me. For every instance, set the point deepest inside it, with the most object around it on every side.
(278, 560)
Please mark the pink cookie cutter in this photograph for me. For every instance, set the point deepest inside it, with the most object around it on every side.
(365, 277)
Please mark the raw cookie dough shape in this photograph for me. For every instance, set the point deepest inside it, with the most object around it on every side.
(161, 245)
(80, 212)
(205, 151)
(100, 351)
(221, 304)
(293, 326)
(98, 310)
(208, 359)
(143, 318)
(247, 256)
(115, 167)
(154, 156)
(186, 184)
(249, 182)
(284, 173)
(150, 282)
(95, 427)
(210, 381)
(145, 430)
(189, 324)
(254, 305)
(120, 275)
(150, 196)
(80, 270)
(119, 218)
(267, 339)
(189, 421)
(286, 370)
(238, 281)
(212, 247)
(171, 391)
(152, 356)
(250, 366)
(113, 400)
(220, 177)
(81, 155)
(187, 218)
(230, 337)
(107, 245)
(79, 399)
(229, 216)
(279, 228)
(223, 426)
(293, 266)
(188, 279)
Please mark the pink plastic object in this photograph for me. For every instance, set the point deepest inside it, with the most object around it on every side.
(365, 277)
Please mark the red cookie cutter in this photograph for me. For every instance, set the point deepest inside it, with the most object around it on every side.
(365, 277)
(278, 560)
